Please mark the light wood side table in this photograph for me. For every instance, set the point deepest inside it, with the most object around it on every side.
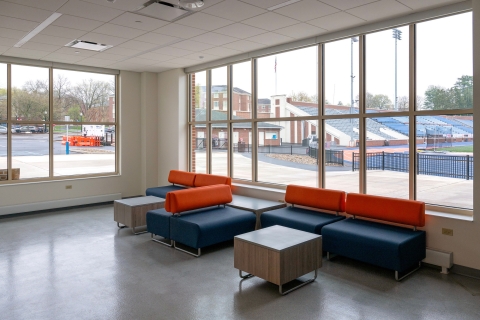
(278, 254)
(132, 212)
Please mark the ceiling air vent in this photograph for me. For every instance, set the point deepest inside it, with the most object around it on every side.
(164, 11)
(88, 45)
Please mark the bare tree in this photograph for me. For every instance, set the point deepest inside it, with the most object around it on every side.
(302, 96)
(402, 103)
(93, 96)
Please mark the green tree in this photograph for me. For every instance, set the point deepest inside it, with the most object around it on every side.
(463, 92)
(438, 98)
(3, 103)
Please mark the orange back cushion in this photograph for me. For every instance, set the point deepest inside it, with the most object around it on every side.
(181, 177)
(402, 211)
(195, 198)
(332, 200)
(202, 180)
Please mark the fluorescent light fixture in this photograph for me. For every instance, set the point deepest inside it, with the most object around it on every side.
(88, 45)
(282, 5)
(38, 29)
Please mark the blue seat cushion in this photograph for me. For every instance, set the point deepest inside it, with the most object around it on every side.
(387, 246)
(298, 218)
(158, 222)
(210, 226)
(161, 192)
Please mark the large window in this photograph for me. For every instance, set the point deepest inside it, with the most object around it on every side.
(64, 126)
(371, 133)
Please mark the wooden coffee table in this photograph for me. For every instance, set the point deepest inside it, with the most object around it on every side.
(278, 254)
(255, 205)
(132, 212)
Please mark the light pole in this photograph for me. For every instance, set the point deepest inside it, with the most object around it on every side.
(352, 40)
(397, 35)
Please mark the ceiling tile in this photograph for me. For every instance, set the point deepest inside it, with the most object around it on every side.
(192, 45)
(156, 56)
(240, 31)
(129, 19)
(41, 46)
(64, 58)
(126, 52)
(336, 21)
(12, 33)
(167, 64)
(103, 39)
(243, 45)
(215, 38)
(25, 53)
(122, 65)
(221, 52)
(88, 10)
(7, 41)
(171, 51)
(140, 61)
(63, 32)
(68, 21)
(158, 68)
(157, 38)
(200, 57)
(138, 45)
(180, 31)
(125, 5)
(265, 4)
(426, 4)
(183, 62)
(347, 4)
(23, 12)
(234, 10)
(379, 10)
(57, 41)
(119, 31)
(270, 38)
(301, 30)
(206, 3)
(204, 21)
(17, 24)
(108, 56)
(3, 49)
(306, 10)
(50, 5)
(270, 21)
(94, 62)
(73, 52)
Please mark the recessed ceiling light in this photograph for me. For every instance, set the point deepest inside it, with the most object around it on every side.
(282, 5)
(138, 21)
(88, 45)
(38, 29)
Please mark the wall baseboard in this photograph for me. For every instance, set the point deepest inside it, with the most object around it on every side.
(38, 206)
(465, 271)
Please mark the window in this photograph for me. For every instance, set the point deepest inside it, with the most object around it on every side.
(78, 124)
(224, 105)
(215, 95)
(370, 135)
(215, 105)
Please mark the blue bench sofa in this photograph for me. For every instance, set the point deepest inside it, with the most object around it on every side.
(181, 180)
(379, 242)
(306, 219)
(198, 218)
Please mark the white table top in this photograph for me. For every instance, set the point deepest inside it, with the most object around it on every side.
(140, 201)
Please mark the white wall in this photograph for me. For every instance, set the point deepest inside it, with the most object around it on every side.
(17, 196)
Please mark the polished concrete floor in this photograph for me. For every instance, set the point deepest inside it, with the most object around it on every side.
(76, 264)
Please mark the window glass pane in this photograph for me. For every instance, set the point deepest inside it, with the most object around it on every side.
(4, 131)
(242, 151)
(341, 75)
(198, 92)
(3, 92)
(30, 150)
(198, 134)
(282, 153)
(90, 150)
(285, 80)
(219, 149)
(242, 84)
(342, 161)
(388, 157)
(445, 63)
(445, 160)
(219, 92)
(387, 70)
(82, 96)
(30, 97)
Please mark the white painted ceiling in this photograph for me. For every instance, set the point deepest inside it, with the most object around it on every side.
(217, 30)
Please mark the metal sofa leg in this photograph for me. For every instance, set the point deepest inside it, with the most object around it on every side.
(399, 279)
(166, 242)
(198, 254)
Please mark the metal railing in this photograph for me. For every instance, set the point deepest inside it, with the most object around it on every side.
(452, 166)
(332, 157)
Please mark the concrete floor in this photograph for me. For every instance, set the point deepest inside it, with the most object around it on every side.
(76, 264)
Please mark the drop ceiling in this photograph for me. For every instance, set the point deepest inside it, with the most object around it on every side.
(217, 30)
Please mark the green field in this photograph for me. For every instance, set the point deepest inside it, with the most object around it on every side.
(457, 149)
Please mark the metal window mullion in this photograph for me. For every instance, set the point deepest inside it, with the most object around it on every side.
(9, 122)
(208, 126)
(254, 125)
(50, 131)
(191, 123)
(320, 122)
(412, 161)
(118, 132)
(361, 119)
(229, 124)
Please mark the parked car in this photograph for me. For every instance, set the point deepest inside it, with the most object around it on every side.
(31, 129)
(3, 129)
(110, 129)
(41, 129)
(313, 141)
